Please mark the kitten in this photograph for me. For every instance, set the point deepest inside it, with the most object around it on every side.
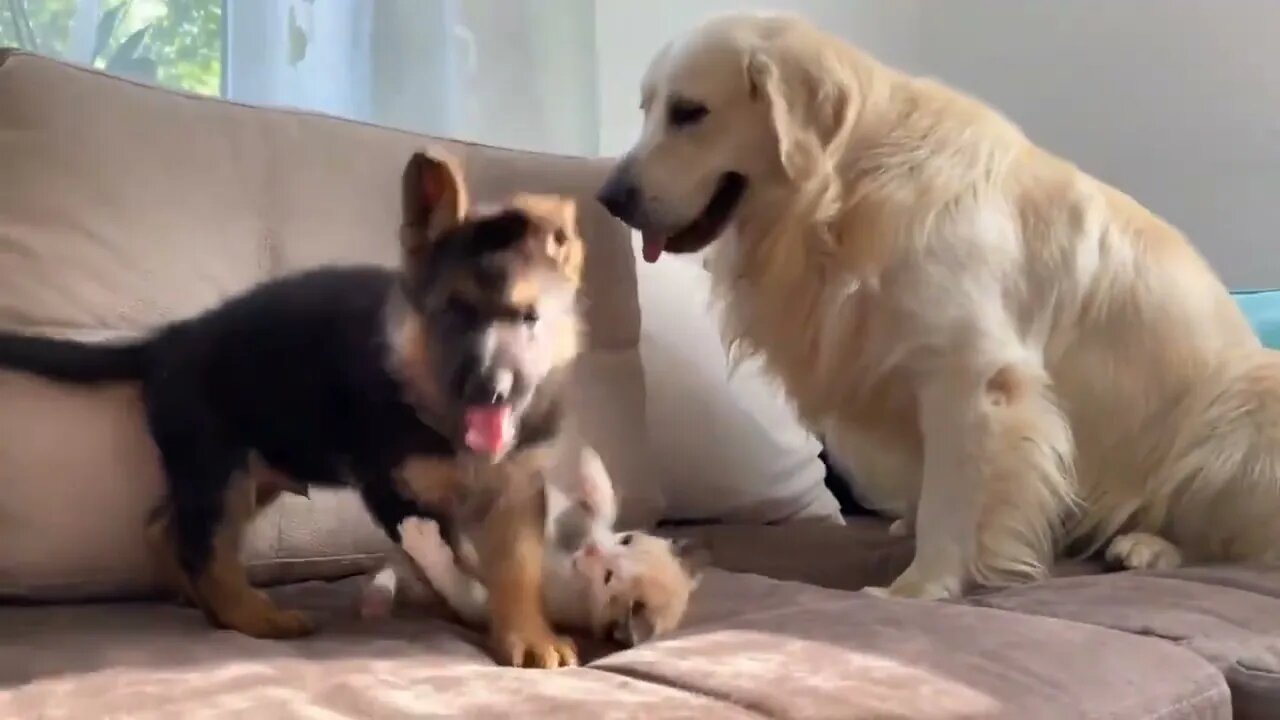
(628, 587)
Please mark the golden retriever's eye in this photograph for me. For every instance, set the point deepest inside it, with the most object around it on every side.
(683, 113)
(608, 576)
(625, 539)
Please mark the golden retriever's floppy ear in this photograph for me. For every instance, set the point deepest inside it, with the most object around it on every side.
(434, 197)
(559, 214)
(806, 105)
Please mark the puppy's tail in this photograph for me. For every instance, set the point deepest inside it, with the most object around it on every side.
(71, 361)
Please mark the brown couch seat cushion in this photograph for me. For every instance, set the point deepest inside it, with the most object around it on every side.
(752, 647)
(1229, 616)
(846, 556)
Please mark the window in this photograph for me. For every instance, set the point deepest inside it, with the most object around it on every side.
(175, 43)
(519, 73)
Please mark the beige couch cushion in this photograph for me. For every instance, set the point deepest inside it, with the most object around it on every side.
(124, 206)
(751, 648)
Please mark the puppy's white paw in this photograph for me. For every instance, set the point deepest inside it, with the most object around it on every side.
(901, 528)
(1143, 551)
(914, 586)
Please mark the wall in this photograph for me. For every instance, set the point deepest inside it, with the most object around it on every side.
(1177, 104)
(629, 33)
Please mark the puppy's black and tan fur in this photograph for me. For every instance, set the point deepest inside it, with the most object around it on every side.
(371, 377)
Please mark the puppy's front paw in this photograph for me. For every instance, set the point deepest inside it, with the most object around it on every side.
(534, 648)
(1143, 551)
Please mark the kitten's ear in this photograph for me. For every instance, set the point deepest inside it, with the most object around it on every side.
(434, 198)
(637, 627)
(694, 556)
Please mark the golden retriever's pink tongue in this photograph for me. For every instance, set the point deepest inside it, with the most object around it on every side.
(488, 428)
(652, 247)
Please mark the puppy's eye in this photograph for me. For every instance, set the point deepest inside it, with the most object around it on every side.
(625, 539)
(684, 113)
(460, 311)
(608, 576)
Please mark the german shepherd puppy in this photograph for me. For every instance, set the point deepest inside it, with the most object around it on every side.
(434, 389)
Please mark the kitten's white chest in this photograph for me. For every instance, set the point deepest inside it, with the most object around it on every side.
(566, 593)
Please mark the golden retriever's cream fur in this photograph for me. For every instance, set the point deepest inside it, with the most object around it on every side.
(1004, 348)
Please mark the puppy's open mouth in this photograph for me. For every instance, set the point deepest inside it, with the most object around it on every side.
(489, 429)
(699, 233)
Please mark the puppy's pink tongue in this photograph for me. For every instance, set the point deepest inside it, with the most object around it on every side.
(653, 246)
(488, 428)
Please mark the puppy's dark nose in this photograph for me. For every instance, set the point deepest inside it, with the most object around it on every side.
(620, 197)
(489, 388)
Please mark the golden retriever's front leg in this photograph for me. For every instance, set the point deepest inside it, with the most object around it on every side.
(997, 478)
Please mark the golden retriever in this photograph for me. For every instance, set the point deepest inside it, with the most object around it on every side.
(1013, 354)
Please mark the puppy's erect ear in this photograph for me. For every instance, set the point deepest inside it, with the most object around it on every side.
(434, 196)
(807, 106)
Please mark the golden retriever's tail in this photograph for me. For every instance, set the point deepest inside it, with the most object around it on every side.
(1029, 479)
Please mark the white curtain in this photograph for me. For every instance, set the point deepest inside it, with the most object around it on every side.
(516, 73)
(300, 53)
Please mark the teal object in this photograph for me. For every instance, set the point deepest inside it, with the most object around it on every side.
(1262, 307)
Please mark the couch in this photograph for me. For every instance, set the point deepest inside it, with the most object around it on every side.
(123, 206)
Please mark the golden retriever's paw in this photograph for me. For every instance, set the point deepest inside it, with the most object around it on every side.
(901, 528)
(913, 586)
(1143, 551)
(534, 649)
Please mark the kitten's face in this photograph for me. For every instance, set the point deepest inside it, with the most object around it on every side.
(639, 584)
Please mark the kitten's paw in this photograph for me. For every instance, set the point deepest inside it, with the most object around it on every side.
(1143, 551)
(421, 538)
(423, 535)
(379, 595)
(376, 603)
(417, 531)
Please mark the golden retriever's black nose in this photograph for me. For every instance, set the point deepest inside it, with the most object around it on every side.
(620, 197)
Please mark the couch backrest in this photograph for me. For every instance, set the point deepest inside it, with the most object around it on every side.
(124, 206)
